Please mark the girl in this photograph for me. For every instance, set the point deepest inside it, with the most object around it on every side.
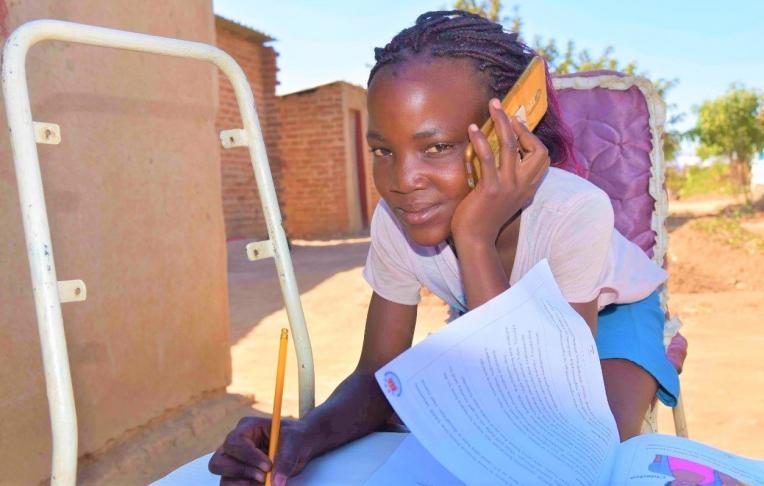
(431, 87)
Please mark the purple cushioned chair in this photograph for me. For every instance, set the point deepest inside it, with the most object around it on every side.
(617, 124)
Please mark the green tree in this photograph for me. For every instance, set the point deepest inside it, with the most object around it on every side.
(560, 61)
(488, 9)
(732, 125)
(672, 137)
(570, 59)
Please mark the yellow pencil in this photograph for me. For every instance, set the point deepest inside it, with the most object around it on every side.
(276, 419)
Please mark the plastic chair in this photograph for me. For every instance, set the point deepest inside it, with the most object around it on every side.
(617, 123)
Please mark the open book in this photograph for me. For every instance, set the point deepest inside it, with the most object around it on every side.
(512, 393)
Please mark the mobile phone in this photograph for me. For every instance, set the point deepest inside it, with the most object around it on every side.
(526, 100)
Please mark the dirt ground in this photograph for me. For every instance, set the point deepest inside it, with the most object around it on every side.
(716, 289)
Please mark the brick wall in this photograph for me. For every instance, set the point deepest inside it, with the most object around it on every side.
(309, 143)
(312, 142)
(241, 203)
(321, 187)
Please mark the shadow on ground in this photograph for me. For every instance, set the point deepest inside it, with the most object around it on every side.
(254, 290)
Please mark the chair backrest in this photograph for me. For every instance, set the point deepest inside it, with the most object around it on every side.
(617, 124)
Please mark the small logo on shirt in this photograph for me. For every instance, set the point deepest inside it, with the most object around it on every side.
(393, 384)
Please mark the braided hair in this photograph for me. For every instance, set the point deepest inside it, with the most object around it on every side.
(497, 53)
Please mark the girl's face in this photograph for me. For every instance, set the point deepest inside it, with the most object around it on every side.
(419, 112)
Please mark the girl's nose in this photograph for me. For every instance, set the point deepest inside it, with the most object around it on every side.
(408, 174)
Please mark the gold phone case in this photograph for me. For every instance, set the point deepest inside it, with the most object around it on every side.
(526, 100)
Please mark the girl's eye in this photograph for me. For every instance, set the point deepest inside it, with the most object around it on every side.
(439, 148)
(379, 152)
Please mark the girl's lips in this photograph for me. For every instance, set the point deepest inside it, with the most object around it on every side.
(419, 216)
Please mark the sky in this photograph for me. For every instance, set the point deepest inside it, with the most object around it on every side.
(706, 45)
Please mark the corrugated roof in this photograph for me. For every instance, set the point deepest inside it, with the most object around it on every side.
(345, 84)
(243, 30)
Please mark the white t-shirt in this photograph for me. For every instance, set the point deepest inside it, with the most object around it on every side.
(569, 222)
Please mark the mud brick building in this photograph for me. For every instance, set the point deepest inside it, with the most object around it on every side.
(316, 148)
(326, 173)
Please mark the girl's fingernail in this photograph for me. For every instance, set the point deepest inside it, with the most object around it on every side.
(473, 127)
(496, 103)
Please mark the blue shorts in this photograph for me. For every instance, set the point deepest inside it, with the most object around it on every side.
(634, 332)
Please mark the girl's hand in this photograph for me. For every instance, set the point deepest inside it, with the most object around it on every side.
(501, 192)
(243, 457)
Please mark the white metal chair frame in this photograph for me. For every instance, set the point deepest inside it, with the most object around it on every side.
(49, 293)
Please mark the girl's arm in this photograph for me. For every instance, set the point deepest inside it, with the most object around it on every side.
(499, 195)
(358, 406)
(589, 311)
(483, 275)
